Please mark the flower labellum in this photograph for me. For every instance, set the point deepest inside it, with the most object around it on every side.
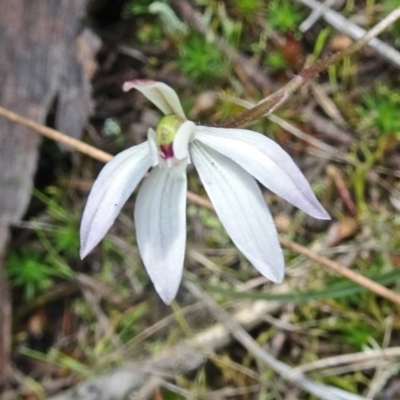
(228, 161)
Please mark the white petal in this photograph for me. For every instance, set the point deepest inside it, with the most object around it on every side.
(160, 94)
(267, 162)
(183, 137)
(152, 139)
(112, 188)
(242, 210)
(160, 219)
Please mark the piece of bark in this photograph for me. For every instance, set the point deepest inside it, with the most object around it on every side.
(40, 66)
(5, 309)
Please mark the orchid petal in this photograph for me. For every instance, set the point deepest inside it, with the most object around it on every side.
(183, 137)
(241, 208)
(160, 94)
(112, 188)
(267, 162)
(152, 139)
(160, 219)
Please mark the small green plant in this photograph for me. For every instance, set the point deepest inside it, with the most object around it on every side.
(380, 112)
(31, 272)
(248, 8)
(65, 224)
(378, 117)
(275, 60)
(283, 15)
(202, 61)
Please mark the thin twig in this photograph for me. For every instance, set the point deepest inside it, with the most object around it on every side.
(367, 355)
(342, 270)
(56, 135)
(196, 199)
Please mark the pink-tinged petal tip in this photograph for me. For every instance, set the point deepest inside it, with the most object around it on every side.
(135, 83)
(159, 93)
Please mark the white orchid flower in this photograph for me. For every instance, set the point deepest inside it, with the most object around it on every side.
(227, 161)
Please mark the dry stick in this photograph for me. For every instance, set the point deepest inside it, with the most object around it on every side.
(194, 198)
(57, 136)
(362, 356)
(342, 270)
(268, 105)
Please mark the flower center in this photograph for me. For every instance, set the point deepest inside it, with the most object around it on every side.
(165, 134)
